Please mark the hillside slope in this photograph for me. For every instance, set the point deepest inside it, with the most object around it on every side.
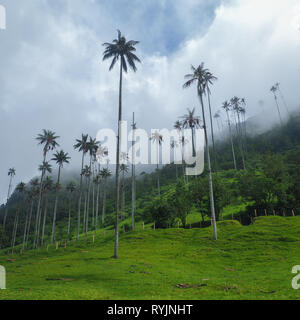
(247, 262)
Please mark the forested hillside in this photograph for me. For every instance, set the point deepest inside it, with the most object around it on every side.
(269, 184)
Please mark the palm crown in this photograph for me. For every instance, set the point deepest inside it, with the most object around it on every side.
(82, 145)
(123, 50)
(48, 139)
(190, 120)
(45, 167)
(12, 172)
(61, 157)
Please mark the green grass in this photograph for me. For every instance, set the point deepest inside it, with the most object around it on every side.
(247, 262)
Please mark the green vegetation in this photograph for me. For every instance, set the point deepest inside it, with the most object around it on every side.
(247, 262)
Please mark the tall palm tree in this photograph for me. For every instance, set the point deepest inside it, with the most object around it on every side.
(44, 168)
(105, 174)
(158, 139)
(48, 187)
(274, 90)
(11, 174)
(226, 106)
(48, 139)
(198, 77)
(82, 146)
(60, 158)
(123, 50)
(21, 188)
(192, 122)
(124, 169)
(71, 187)
(133, 175)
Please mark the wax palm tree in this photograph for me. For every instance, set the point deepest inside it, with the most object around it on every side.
(60, 158)
(48, 140)
(71, 187)
(11, 174)
(45, 167)
(124, 169)
(105, 174)
(133, 175)
(274, 90)
(226, 106)
(123, 50)
(82, 146)
(20, 189)
(48, 187)
(198, 77)
(157, 138)
(192, 122)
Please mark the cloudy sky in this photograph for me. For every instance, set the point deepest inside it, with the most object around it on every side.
(52, 75)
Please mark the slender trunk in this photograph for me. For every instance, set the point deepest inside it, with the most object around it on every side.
(25, 230)
(79, 200)
(29, 221)
(36, 237)
(284, 102)
(133, 178)
(123, 196)
(116, 249)
(157, 170)
(232, 146)
(278, 109)
(212, 131)
(93, 193)
(104, 203)
(241, 141)
(55, 207)
(97, 206)
(45, 218)
(69, 222)
(8, 195)
(88, 200)
(211, 192)
(15, 229)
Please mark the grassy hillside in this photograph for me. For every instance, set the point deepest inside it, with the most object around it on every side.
(247, 262)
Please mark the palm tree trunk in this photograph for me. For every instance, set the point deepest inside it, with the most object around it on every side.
(133, 179)
(55, 208)
(25, 230)
(104, 203)
(79, 200)
(8, 195)
(212, 131)
(36, 237)
(278, 109)
(97, 206)
(241, 141)
(29, 221)
(116, 249)
(44, 219)
(69, 222)
(157, 170)
(232, 146)
(211, 192)
(15, 230)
